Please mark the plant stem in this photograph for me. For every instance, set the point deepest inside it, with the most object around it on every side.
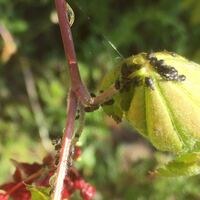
(77, 85)
(66, 144)
(77, 92)
(104, 96)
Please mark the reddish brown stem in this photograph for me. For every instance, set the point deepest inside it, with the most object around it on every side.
(76, 82)
(104, 96)
(66, 143)
(78, 91)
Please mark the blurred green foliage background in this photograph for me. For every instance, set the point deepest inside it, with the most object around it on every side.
(34, 84)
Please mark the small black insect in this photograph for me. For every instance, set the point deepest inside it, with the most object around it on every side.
(56, 161)
(128, 69)
(70, 162)
(181, 77)
(153, 61)
(117, 84)
(117, 119)
(101, 91)
(77, 115)
(56, 141)
(159, 63)
(126, 85)
(149, 83)
(136, 66)
(109, 102)
(91, 109)
(137, 81)
(58, 147)
(92, 94)
(76, 136)
(125, 70)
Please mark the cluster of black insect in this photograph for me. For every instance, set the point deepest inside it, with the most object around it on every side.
(57, 146)
(167, 72)
(125, 82)
(57, 143)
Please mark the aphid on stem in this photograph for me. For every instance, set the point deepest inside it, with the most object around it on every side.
(109, 102)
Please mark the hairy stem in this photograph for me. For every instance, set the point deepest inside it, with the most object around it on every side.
(66, 144)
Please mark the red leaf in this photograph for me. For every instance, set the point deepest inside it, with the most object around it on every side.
(17, 175)
(39, 174)
(28, 169)
(48, 160)
(20, 193)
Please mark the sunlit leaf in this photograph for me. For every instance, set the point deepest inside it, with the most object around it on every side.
(39, 193)
(184, 165)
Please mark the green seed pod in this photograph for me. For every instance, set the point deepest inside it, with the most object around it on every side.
(159, 95)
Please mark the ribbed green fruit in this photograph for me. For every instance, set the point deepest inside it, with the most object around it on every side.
(160, 97)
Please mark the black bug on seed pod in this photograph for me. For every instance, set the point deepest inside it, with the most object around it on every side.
(126, 81)
(125, 70)
(167, 72)
(149, 83)
(153, 61)
(159, 63)
(128, 69)
(136, 66)
(126, 85)
(137, 81)
(181, 77)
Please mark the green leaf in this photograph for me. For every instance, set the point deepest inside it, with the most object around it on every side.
(39, 193)
(187, 164)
